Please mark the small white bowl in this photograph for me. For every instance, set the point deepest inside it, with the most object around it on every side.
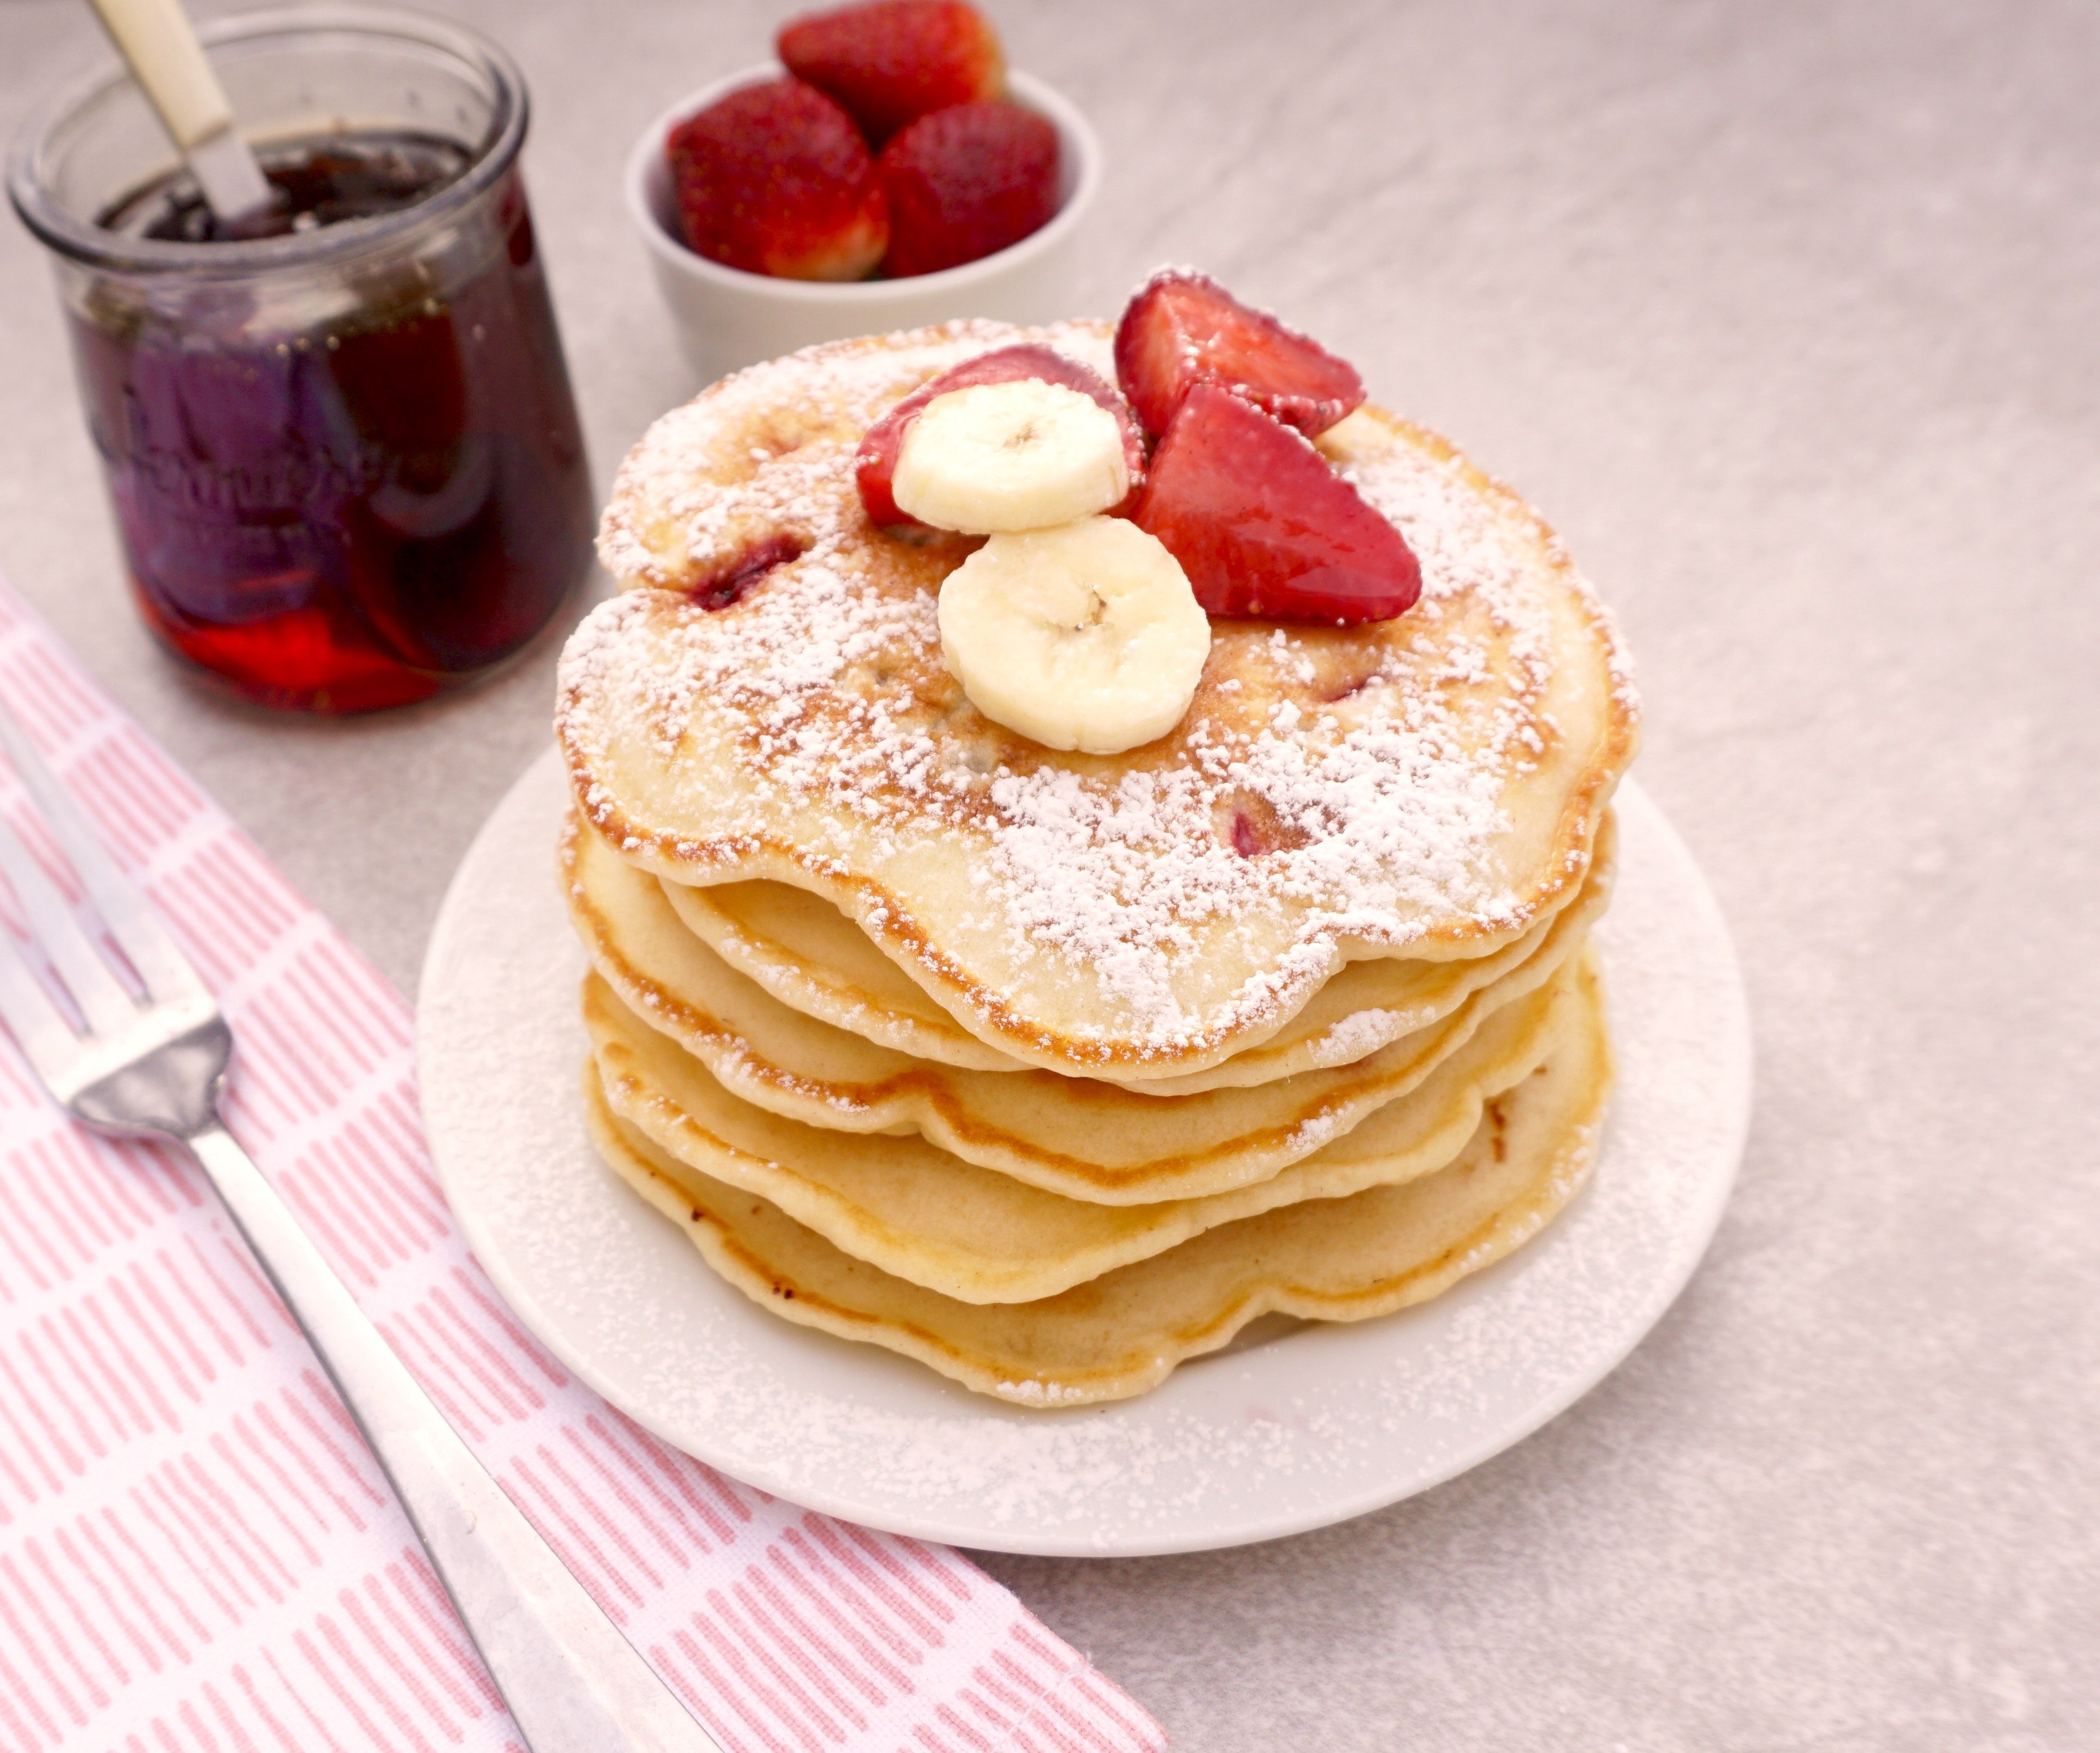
(727, 318)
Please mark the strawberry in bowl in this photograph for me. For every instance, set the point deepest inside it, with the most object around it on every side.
(779, 178)
(776, 178)
(964, 182)
(986, 178)
(890, 63)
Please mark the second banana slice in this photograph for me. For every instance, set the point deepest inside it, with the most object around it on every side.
(1086, 637)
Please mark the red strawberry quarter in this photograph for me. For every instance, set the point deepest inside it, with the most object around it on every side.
(1264, 526)
(775, 179)
(1184, 328)
(893, 62)
(966, 181)
(875, 465)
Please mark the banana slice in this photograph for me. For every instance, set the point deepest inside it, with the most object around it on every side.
(1087, 637)
(1022, 455)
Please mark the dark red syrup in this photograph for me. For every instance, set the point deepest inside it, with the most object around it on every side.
(371, 510)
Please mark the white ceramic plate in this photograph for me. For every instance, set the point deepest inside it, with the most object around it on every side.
(1309, 1427)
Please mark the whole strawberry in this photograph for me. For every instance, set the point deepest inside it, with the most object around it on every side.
(893, 62)
(775, 178)
(965, 181)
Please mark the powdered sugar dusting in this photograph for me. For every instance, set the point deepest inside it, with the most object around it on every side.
(771, 448)
(1325, 786)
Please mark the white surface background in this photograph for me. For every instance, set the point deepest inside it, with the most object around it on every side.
(1785, 315)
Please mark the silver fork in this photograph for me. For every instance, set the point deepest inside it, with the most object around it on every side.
(152, 1064)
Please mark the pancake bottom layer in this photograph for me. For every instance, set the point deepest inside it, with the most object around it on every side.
(1121, 1333)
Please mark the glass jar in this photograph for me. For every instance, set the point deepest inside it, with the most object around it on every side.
(345, 461)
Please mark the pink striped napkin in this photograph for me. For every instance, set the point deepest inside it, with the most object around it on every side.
(198, 1556)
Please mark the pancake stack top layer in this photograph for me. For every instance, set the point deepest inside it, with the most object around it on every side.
(1425, 787)
(1053, 1070)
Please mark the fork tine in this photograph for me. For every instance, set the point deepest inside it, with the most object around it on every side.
(31, 1017)
(164, 969)
(101, 999)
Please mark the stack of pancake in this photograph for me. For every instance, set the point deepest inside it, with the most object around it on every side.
(1052, 1070)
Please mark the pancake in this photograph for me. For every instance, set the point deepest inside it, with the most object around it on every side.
(1081, 1138)
(810, 957)
(766, 701)
(976, 1235)
(1118, 1334)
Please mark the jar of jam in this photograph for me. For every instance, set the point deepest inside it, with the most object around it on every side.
(340, 447)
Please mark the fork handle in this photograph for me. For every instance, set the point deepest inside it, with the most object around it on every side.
(573, 1683)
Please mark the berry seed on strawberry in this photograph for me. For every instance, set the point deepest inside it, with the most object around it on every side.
(965, 181)
(895, 61)
(775, 178)
(1262, 525)
(1183, 329)
(875, 467)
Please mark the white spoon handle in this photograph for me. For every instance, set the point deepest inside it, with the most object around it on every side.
(155, 38)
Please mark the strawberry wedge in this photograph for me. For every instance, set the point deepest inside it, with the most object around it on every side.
(1262, 525)
(1182, 328)
(875, 467)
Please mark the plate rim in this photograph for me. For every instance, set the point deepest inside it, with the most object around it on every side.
(1693, 1236)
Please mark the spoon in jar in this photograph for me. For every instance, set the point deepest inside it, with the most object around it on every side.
(160, 46)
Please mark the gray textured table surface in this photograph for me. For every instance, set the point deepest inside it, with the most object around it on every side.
(1786, 315)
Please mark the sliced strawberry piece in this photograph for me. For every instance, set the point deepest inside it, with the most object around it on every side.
(896, 60)
(728, 580)
(1183, 329)
(876, 462)
(775, 179)
(1264, 526)
(966, 181)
